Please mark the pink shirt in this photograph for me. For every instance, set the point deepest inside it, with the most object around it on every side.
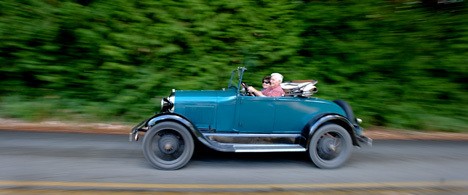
(273, 91)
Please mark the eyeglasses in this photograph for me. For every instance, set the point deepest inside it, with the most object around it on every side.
(266, 82)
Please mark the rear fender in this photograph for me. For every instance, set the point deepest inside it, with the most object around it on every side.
(318, 122)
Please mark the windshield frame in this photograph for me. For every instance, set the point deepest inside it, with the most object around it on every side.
(238, 75)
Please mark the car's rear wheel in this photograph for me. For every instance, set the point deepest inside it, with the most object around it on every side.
(330, 146)
(168, 146)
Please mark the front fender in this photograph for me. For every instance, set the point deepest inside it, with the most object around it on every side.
(175, 118)
(172, 117)
(151, 121)
(316, 123)
(169, 117)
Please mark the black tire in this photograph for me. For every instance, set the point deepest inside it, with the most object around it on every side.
(168, 146)
(330, 147)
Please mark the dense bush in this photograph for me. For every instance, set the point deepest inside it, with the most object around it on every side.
(399, 63)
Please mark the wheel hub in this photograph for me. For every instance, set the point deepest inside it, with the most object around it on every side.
(327, 148)
(168, 144)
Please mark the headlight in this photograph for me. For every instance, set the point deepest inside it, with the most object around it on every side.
(167, 104)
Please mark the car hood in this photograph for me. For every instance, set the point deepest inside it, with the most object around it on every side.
(202, 96)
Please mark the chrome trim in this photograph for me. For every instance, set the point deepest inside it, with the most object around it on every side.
(271, 150)
(250, 135)
(168, 103)
(171, 98)
(254, 139)
(268, 148)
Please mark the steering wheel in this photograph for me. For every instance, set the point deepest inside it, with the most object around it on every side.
(247, 90)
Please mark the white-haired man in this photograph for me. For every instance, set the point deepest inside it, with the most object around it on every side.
(275, 87)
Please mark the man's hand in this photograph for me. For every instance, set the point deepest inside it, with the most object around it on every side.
(255, 91)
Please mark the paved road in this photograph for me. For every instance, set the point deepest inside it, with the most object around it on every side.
(89, 161)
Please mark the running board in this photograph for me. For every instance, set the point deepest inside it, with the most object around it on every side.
(267, 147)
(233, 142)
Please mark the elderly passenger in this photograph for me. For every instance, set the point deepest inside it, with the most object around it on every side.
(275, 87)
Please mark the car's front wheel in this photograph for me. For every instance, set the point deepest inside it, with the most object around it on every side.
(168, 146)
(330, 146)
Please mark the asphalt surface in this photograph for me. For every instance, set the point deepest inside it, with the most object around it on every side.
(32, 161)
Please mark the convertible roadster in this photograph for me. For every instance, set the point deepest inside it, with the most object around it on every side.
(232, 120)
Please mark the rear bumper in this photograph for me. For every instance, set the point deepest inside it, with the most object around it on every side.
(359, 134)
(365, 140)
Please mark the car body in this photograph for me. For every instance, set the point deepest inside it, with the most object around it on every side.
(231, 120)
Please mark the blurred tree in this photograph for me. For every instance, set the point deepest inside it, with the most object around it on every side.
(399, 63)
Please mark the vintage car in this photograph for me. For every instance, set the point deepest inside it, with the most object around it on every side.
(232, 120)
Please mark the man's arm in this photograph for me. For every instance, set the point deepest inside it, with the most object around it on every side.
(256, 92)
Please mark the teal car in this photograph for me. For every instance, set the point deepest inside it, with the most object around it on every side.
(232, 120)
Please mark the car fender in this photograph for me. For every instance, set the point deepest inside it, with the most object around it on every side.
(317, 122)
(183, 121)
(348, 110)
(172, 117)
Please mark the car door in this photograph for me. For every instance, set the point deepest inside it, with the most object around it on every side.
(255, 114)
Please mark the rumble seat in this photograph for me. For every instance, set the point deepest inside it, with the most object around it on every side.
(304, 88)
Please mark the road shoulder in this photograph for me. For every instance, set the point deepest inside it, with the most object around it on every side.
(376, 133)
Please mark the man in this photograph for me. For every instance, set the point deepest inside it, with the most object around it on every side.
(274, 90)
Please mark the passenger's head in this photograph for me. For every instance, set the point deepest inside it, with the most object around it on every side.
(276, 79)
(266, 81)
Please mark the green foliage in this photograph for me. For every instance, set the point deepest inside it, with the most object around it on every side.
(399, 63)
